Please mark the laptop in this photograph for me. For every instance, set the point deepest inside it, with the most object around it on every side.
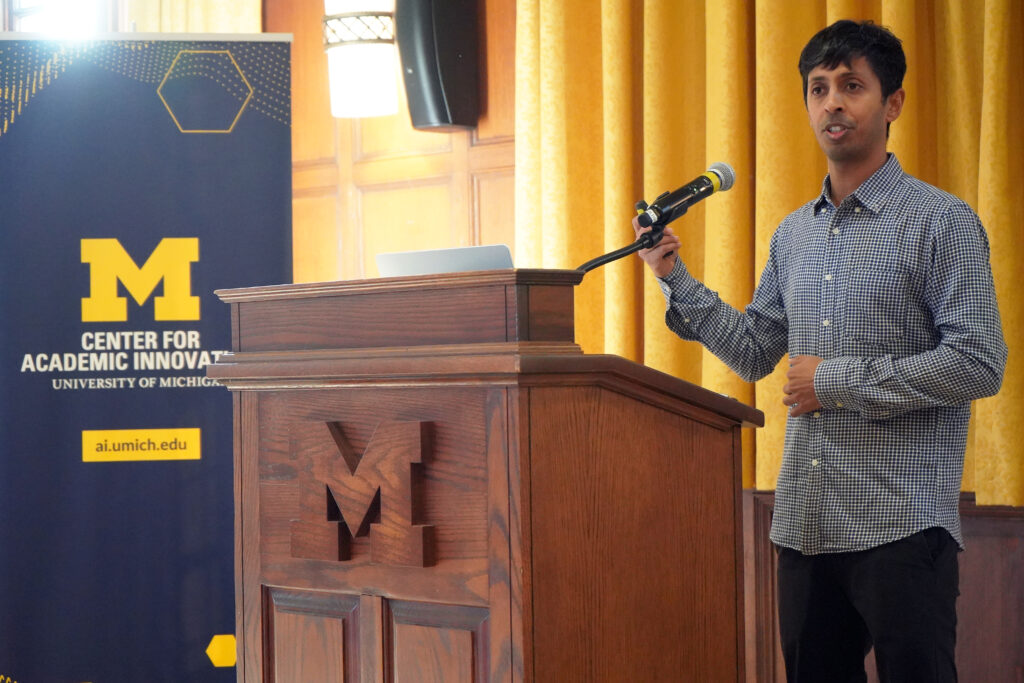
(455, 260)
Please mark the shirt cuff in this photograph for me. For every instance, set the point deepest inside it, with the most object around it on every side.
(677, 280)
(834, 382)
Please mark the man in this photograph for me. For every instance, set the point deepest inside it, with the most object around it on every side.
(881, 292)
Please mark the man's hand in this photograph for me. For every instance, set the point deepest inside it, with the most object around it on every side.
(662, 257)
(800, 396)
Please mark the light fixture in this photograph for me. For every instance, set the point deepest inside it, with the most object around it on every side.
(362, 62)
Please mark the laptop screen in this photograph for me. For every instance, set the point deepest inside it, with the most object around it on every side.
(455, 260)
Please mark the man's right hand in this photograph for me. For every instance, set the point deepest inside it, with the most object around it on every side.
(662, 257)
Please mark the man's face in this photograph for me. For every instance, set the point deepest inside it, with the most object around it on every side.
(847, 112)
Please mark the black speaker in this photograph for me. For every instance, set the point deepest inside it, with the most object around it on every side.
(437, 43)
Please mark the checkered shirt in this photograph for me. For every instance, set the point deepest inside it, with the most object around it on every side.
(893, 289)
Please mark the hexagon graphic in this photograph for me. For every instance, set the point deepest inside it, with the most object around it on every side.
(221, 650)
(204, 91)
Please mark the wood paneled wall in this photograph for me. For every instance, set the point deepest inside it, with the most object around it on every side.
(363, 186)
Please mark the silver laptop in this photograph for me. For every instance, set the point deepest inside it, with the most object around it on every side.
(456, 260)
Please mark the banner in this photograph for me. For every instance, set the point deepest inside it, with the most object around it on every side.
(137, 175)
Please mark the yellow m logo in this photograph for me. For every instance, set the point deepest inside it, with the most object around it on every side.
(170, 262)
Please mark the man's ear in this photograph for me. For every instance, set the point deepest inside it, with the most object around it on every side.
(894, 105)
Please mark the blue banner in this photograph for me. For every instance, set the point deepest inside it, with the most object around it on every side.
(137, 175)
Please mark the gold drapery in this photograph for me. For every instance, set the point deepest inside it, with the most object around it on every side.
(618, 100)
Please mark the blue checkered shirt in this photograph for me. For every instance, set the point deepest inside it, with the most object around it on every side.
(893, 289)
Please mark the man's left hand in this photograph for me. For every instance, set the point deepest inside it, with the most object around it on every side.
(799, 391)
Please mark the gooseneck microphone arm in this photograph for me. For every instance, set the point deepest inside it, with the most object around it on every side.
(666, 208)
(645, 241)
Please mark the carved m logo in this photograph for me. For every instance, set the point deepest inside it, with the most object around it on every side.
(170, 261)
(342, 496)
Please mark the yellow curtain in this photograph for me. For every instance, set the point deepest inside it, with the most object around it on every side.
(618, 100)
(193, 16)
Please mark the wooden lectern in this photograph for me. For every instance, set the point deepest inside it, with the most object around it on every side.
(433, 483)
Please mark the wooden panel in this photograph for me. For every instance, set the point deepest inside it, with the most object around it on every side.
(493, 214)
(429, 317)
(633, 541)
(409, 217)
(453, 498)
(312, 124)
(503, 541)
(312, 637)
(990, 610)
(438, 643)
(764, 654)
(315, 239)
(990, 622)
(383, 136)
(453, 308)
(498, 51)
(315, 178)
(248, 594)
(424, 653)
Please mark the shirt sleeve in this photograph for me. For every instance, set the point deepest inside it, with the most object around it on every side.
(749, 342)
(968, 361)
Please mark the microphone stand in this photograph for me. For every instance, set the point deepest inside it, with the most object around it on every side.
(645, 241)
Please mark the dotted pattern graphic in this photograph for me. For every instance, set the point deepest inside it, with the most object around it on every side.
(212, 66)
(27, 67)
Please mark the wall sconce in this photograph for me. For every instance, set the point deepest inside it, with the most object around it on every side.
(362, 62)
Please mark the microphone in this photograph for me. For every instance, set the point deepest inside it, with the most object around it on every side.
(671, 205)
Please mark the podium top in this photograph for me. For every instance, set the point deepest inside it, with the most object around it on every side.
(511, 276)
(426, 310)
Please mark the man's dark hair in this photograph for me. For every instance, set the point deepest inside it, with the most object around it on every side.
(846, 40)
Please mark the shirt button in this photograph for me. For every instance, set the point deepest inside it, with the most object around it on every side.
(814, 463)
(856, 209)
(825, 323)
(817, 414)
(835, 231)
(839, 404)
(686, 320)
(828, 276)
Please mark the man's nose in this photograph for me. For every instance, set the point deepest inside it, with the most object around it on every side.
(834, 100)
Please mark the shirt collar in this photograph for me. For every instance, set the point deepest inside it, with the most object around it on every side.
(873, 192)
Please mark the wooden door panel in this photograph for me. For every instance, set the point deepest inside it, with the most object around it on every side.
(311, 637)
(437, 643)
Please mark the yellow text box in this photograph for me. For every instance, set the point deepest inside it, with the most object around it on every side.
(124, 445)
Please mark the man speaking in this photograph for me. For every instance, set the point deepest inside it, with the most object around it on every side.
(880, 291)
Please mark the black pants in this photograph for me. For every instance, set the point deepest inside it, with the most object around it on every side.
(899, 598)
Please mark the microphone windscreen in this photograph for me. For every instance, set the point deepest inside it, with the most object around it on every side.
(725, 174)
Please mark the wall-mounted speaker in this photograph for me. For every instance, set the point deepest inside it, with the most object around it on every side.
(437, 44)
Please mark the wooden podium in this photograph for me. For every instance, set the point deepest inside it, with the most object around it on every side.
(433, 483)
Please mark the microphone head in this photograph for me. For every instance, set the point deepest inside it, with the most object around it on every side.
(725, 174)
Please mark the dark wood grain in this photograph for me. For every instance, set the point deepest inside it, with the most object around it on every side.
(633, 541)
(247, 578)
(583, 511)
(438, 643)
(461, 308)
(345, 493)
(312, 636)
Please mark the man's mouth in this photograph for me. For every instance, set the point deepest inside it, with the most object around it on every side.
(835, 130)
